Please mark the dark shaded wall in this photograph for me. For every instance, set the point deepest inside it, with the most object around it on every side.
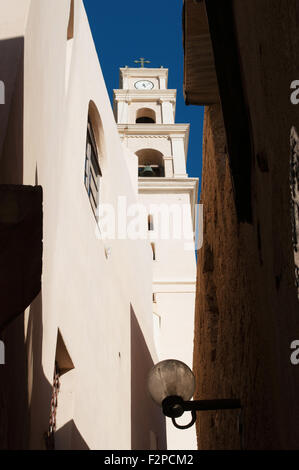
(14, 413)
(247, 310)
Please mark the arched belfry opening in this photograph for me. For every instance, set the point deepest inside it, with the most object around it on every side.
(150, 163)
(97, 126)
(145, 116)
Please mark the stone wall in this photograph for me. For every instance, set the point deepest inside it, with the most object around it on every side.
(247, 310)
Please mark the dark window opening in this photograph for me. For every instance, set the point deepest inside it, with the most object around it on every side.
(145, 120)
(150, 222)
(70, 28)
(154, 251)
(145, 115)
(148, 171)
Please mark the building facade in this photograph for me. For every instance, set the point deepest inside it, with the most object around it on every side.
(145, 114)
(241, 62)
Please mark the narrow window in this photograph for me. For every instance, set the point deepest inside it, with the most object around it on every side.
(92, 169)
(150, 222)
(70, 28)
(154, 251)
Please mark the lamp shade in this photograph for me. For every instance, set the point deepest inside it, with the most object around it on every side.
(171, 378)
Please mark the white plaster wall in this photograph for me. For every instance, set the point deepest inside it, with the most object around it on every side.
(85, 295)
(175, 307)
(179, 156)
(167, 112)
(13, 18)
(174, 283)
(173, 261)
(132, 165)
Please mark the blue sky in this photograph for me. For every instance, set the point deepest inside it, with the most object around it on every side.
(127, 30)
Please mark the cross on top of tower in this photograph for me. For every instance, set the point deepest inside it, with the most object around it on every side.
(142, 61)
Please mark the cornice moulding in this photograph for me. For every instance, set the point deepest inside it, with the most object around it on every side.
(147, 136)
(162, 129)
(150, 130)
(141, 95)
(143, 71)
(166, 184)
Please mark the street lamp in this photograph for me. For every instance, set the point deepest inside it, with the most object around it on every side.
(172, 384)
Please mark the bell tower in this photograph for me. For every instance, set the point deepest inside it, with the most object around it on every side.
(144, 110)
(143, 98)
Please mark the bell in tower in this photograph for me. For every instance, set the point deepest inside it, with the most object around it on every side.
(147, 171)
(150, 163)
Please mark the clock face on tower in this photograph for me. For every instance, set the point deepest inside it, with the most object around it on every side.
(144, 85)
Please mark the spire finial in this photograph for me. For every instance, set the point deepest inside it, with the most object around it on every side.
(142, 61)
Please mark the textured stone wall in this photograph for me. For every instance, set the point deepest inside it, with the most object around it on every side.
(246, 317)
(247, 310)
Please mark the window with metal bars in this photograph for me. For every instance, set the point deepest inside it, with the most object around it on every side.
(93, 172)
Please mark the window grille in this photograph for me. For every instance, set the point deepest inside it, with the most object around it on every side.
(92, 170)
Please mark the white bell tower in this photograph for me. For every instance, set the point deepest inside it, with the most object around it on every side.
(144, 110)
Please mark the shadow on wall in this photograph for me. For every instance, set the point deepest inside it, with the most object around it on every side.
(67, 437)
(39, 388)
(148, 427)
(13, 389)
(13, 375)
